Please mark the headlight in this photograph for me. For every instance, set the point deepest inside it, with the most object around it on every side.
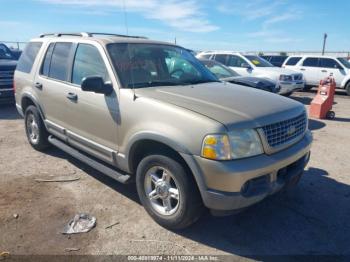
(285, 78)
(245, 143)
(236, 144)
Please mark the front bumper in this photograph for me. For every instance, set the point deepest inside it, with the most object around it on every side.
(288, 87)
(230, 185)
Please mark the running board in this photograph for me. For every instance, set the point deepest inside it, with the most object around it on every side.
(122, 178)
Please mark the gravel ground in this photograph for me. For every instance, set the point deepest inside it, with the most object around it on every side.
(311, 219)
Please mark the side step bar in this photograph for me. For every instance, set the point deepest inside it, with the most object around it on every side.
(122, 178)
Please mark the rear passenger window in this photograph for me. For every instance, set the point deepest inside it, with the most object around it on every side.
(293, 61)
(235, 61)
(27, 59)
(221, 59)
(59, 67)
(88, 62)
(329, 63)
(311, 61)
(45, 69)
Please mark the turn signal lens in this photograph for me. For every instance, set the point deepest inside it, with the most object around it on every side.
(216, 147)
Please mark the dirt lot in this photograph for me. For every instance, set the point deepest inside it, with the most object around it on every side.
(310, 219)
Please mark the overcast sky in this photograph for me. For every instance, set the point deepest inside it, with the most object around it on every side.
(275, 25)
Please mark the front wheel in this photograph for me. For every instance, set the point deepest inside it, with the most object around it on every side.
(168, 192)
(35, 129)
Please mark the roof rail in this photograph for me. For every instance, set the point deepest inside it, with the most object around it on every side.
(118, 35)
(85, 34)
(62, 34)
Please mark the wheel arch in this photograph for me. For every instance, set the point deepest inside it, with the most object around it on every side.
(27, 100)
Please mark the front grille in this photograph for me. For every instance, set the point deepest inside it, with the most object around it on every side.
(297, 77)
(6, 75)
(285, 132)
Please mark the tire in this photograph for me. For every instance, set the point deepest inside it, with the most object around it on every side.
(168, 175)
(36, 132)
(347, 88)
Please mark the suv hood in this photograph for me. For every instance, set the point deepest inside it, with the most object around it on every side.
(234, 106)
(274, 72)
(255, 82)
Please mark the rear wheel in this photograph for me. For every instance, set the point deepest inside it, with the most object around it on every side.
(168, 192)
(347, 88)
(36, 132)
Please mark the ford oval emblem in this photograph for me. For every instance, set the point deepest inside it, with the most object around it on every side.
(291, 130)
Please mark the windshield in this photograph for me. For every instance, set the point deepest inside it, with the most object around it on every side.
(344, 61)
(219, 70)
(258, 61)
(144, 65)
(5, 53)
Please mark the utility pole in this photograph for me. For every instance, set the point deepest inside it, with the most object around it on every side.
(324, 43)
(175, 40)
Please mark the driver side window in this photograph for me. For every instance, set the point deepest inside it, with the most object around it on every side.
(88, 62)
(235, 61)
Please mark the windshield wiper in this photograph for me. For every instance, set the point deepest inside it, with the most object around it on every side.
(153, 83)
(202, 82)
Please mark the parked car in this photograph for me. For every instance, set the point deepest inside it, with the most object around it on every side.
(7, 68)
(16, 53)
(148, 111)
(276, 60)
(251, 65)
(316, 68)
(226, 74)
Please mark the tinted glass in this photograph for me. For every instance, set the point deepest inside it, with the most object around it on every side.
(88, 62)
(235, 61)
(344, 61)
(311, 61)
(328, 63)
(258, 61)
(145, 65)
(221, 58)
(293, 61)
(278, 59)
(59, 61)
(45, 69)
(219, 70)
(5, 53)
(28, 56)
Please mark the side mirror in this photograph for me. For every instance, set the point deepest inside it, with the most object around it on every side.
(96, 84)
(246, 65)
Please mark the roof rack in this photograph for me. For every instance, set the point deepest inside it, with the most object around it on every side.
(85, 34)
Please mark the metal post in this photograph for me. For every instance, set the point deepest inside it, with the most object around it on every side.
(324, 43)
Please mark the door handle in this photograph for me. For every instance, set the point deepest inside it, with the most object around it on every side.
(324, 71)
(302, 69)
(38, 85)
(72, 96)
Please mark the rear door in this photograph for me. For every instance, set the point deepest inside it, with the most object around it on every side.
(52, 84)
(331, 66)
(311, 70)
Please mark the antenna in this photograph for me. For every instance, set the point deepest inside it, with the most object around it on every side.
(125, 18)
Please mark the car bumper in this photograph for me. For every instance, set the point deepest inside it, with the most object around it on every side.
(232, 185)
(288, 87)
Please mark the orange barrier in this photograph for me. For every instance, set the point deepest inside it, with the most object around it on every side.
(322, 104)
